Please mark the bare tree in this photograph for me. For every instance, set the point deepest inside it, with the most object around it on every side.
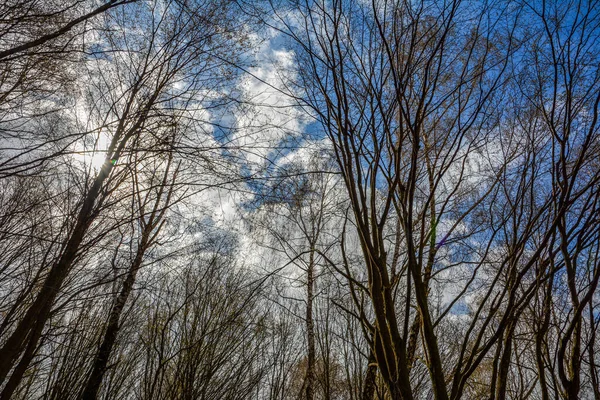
(297, 216)
(421, 212)
(130, 107)
(152, 201)
(42, 44)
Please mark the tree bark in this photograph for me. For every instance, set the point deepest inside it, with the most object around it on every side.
(370, 376)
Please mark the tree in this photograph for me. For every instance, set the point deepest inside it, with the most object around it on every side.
(297, 217)
(41, 45)
(429, 147)
(152, 200)
(135, 105)
(320, 199)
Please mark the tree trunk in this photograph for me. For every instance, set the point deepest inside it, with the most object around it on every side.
(99, 367)
(29, 329)
(370, 376)
(505, 362)
(310, 331)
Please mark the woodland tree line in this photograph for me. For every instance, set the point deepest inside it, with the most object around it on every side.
(303, 199)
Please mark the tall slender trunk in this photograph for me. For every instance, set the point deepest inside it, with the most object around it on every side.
(310, 329)
(592, 363)
(436, 371)
(539, 340)
(151, 227)
(29, 330)
(575, 363)
(19, 371)
(90, 392)
(505, 362)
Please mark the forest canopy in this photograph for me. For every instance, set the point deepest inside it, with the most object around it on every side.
(299, 199)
